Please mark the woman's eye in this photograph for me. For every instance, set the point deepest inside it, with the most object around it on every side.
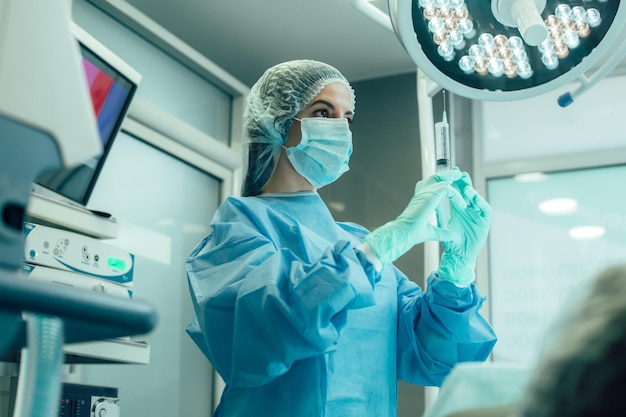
(321, 113)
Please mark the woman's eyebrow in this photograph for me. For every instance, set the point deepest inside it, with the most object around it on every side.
(321, 101)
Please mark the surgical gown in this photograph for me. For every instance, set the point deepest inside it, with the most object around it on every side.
(298, 322)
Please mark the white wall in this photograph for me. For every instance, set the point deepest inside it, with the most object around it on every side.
(162, 181)
(536, 269)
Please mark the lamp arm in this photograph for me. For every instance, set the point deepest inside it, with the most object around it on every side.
(586, 83)
(374, 13)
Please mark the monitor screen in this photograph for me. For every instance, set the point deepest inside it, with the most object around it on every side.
(112, 85)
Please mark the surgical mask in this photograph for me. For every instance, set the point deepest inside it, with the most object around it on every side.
(324, 150)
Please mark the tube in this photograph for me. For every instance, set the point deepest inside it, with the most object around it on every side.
(39, 384)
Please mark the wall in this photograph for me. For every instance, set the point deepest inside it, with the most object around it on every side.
(384, 167)
(385, 164)
(163, 196)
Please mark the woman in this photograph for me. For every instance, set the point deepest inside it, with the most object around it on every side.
(303, 316)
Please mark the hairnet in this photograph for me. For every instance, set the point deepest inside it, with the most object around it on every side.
(279, 95)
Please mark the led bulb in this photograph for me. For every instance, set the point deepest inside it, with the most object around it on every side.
(466, 27)
(461, 12)
(495, 67)
(563, 11)
(430, 13)
(504, 53)
(524, 70)
(583, 29)
(440, 38)
(519, 55)
(550, 60)
(593, 17)
(451, 24)
(446, 51)
(466, 63)
(510, 69)
(500, 40)
(477, 52)
(456, 39)
(546, 46)
(560, 49)
(480, 67)
(570, 38)
(486, 41)
(515, 43)
(437, 26)
(578, 14)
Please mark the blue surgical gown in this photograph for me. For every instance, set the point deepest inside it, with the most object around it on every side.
(298, 323)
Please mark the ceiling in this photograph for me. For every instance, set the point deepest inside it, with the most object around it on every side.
(245, 37)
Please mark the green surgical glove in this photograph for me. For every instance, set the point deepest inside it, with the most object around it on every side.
(470, 223)
(413, 226)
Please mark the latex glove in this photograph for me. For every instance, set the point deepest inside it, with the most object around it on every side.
(413, 226)
(470, 223)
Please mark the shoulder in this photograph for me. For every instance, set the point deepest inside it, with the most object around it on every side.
(236, 208)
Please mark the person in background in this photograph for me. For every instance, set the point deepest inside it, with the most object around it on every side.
(582, 369)
(304, 316)
(582, 372)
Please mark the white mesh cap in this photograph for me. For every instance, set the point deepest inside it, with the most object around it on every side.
(279, 95)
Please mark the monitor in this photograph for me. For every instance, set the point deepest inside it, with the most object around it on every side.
(112, 84)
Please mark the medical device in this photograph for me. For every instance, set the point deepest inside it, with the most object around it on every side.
(112, 86)
(69, 279)
(442, 144)
(508, 49)
(443, 161)
(46, 116)
(69, 251)
(47, 122)
(77, 400)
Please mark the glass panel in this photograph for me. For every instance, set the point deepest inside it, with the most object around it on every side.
(541, 263)
(164, 207)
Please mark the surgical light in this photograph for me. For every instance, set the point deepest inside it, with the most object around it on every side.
(586, 232)
(558, 206)
(511, 49)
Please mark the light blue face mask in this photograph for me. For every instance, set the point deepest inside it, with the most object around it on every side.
(324, 151)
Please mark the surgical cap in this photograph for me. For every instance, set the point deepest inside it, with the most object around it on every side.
(274, 100)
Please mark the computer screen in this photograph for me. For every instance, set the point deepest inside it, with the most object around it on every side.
(112, 84)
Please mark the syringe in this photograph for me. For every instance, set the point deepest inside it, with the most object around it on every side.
(442, 144)
(442, 163)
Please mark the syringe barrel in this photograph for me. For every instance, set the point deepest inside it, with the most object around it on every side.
(442, 163)
(442, 145)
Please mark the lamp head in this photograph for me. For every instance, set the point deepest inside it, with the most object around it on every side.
(508, 49)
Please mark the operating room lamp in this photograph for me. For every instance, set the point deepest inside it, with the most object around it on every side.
(509, 49)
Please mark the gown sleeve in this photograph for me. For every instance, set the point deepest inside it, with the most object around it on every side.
(259, 307)
(439, 328)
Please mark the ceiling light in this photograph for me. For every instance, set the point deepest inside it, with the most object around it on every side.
(511, 49)
(558, 206)
(586, 232)
(531, 177)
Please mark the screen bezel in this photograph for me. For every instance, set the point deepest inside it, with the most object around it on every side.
(77, 183)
